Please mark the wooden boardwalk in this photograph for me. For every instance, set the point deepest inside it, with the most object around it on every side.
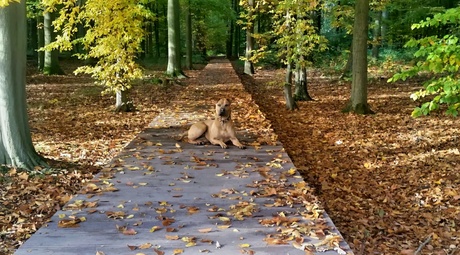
(160, 196)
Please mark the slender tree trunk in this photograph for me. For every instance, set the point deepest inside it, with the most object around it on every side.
(33, 39)
(236, 42)
(16, 148)
(358, 100)
(349, 65)
(248, 65)
(156, 31)
(188, 39)
(377, 35)
(301, 89)
(230, 40)
(41, 43)
(384, 27)
(149, 39)
(51, 65)
(290, 102)
(122, 103)
(174, 57)
(236, 37)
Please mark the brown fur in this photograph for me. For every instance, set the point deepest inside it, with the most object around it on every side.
(217, 131)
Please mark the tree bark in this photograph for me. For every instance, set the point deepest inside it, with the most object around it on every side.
(229, 52)
(290, 102)
(358, 100)
(16, 148)
(123, 104)
(377, 31)
(349, 65)
(188, 40)
(301, 88)
(33, 39)
(384, 27)
(51, 64)
(248, 65)
(174, 57)
(156, 29)
(41, 43)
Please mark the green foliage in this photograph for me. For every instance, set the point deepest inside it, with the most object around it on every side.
(297, 37)
(438, 56)
(210, 20)
(292, 31)
(114, 31)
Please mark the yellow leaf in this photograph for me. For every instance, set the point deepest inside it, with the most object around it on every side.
(178, 251)
(245, 245)
(292, 171)
(154, 228)
(190, 244)
(224, 218)
(145, 246)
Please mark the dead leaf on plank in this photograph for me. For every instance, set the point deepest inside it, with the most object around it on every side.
(145, 246)
(178, 251)
(169, 237)
(158, 252)
(69, 223)
(129, 232)
(205, 230)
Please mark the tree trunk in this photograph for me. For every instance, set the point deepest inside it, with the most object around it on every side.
(51, 64)
(349, 65)
(290, 102)
(149, 39)
(301, 89)
(123, 104)
(156, 29)
(248, 65)
(174, 57)
(16, 148)
(236, 37)
(384, 27)
(33, 39)
(188, 40)
(41, 43)
(358, 100)
(377, 35)
(230, 40)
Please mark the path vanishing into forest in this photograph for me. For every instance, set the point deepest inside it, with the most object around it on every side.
(163, 196)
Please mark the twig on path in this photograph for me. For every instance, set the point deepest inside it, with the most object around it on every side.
(428, 239)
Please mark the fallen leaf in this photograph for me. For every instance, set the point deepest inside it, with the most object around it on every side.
(170, 237)
(205, 230)
(178, 251)
(129, 232)
(158, 252)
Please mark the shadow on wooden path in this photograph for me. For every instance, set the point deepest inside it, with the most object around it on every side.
(160, 196)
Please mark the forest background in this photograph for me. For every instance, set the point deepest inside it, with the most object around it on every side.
(389, 181)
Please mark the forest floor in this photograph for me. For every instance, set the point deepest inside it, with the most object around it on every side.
(388, 181)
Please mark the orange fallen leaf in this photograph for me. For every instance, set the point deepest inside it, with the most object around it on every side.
(158, 252)
(205, 230)
(129, 232)
(169, 237)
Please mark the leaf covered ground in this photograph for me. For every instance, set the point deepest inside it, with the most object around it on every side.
(389, 182)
